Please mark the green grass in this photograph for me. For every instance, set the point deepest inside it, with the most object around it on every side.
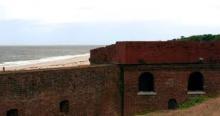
(193, 101)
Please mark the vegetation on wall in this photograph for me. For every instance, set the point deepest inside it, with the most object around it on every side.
(205, 37)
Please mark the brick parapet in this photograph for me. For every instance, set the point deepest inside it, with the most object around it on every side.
(157, 52)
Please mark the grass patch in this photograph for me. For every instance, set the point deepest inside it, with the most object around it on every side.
(193, 101)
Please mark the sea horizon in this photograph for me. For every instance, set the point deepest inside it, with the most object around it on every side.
(27, 54)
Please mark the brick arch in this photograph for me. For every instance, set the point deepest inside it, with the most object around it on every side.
(12, 112)
(196, 81)
(172, 104)
(64, 106)
(146, 82)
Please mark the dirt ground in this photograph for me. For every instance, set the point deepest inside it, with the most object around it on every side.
(208, 108)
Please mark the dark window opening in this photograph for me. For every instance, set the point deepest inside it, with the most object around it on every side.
(12, 112)
(146, 82)
(172, 104)
(195, 82)
(64, 106)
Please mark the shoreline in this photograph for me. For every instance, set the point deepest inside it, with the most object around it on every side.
(77, 60)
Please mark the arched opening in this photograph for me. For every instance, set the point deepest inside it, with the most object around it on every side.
(172, 104)
(195, 82)
(12, 112)
(146, 82)
(64, 106)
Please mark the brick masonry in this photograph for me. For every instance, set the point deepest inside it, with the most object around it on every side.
(91, 91)
(170, 82)
(97, 90)
(157, 52)
(111, 87)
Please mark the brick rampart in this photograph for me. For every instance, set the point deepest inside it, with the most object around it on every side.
(112, 89)
(170, 82)
(103, 90)
(157, 52)
(91, 91)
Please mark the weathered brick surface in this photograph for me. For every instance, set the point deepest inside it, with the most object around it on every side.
(157, 52)
(96, 90)
(111, 90)
(91, 91)
(170, 83)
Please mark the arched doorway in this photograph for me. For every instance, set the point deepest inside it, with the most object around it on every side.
(172, 104)
(12, 112)
(146, 82)
(195, 82)
(64, 106)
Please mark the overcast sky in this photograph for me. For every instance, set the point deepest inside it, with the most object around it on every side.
(45, 22)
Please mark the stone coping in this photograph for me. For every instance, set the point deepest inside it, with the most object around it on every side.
(196, 92)
(147, 93)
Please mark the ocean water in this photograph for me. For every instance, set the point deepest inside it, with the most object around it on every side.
(22, 55)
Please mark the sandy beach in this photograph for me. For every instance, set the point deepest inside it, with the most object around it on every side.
(69, 62)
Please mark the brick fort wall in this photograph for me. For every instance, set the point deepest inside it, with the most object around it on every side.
(157, 52)
(170, 82)
(91, 91)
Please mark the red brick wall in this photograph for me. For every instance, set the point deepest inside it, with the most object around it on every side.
(95, 90)
(91, 91)
(157, 52)
(103, 55)
(114, 53)
(170, 82)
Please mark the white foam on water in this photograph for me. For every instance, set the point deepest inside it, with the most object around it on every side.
(42, 60)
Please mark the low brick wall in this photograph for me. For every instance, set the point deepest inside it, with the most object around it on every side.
(91, 91)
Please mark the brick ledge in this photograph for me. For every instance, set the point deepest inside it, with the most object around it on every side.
(196, 92)
(146, 93)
